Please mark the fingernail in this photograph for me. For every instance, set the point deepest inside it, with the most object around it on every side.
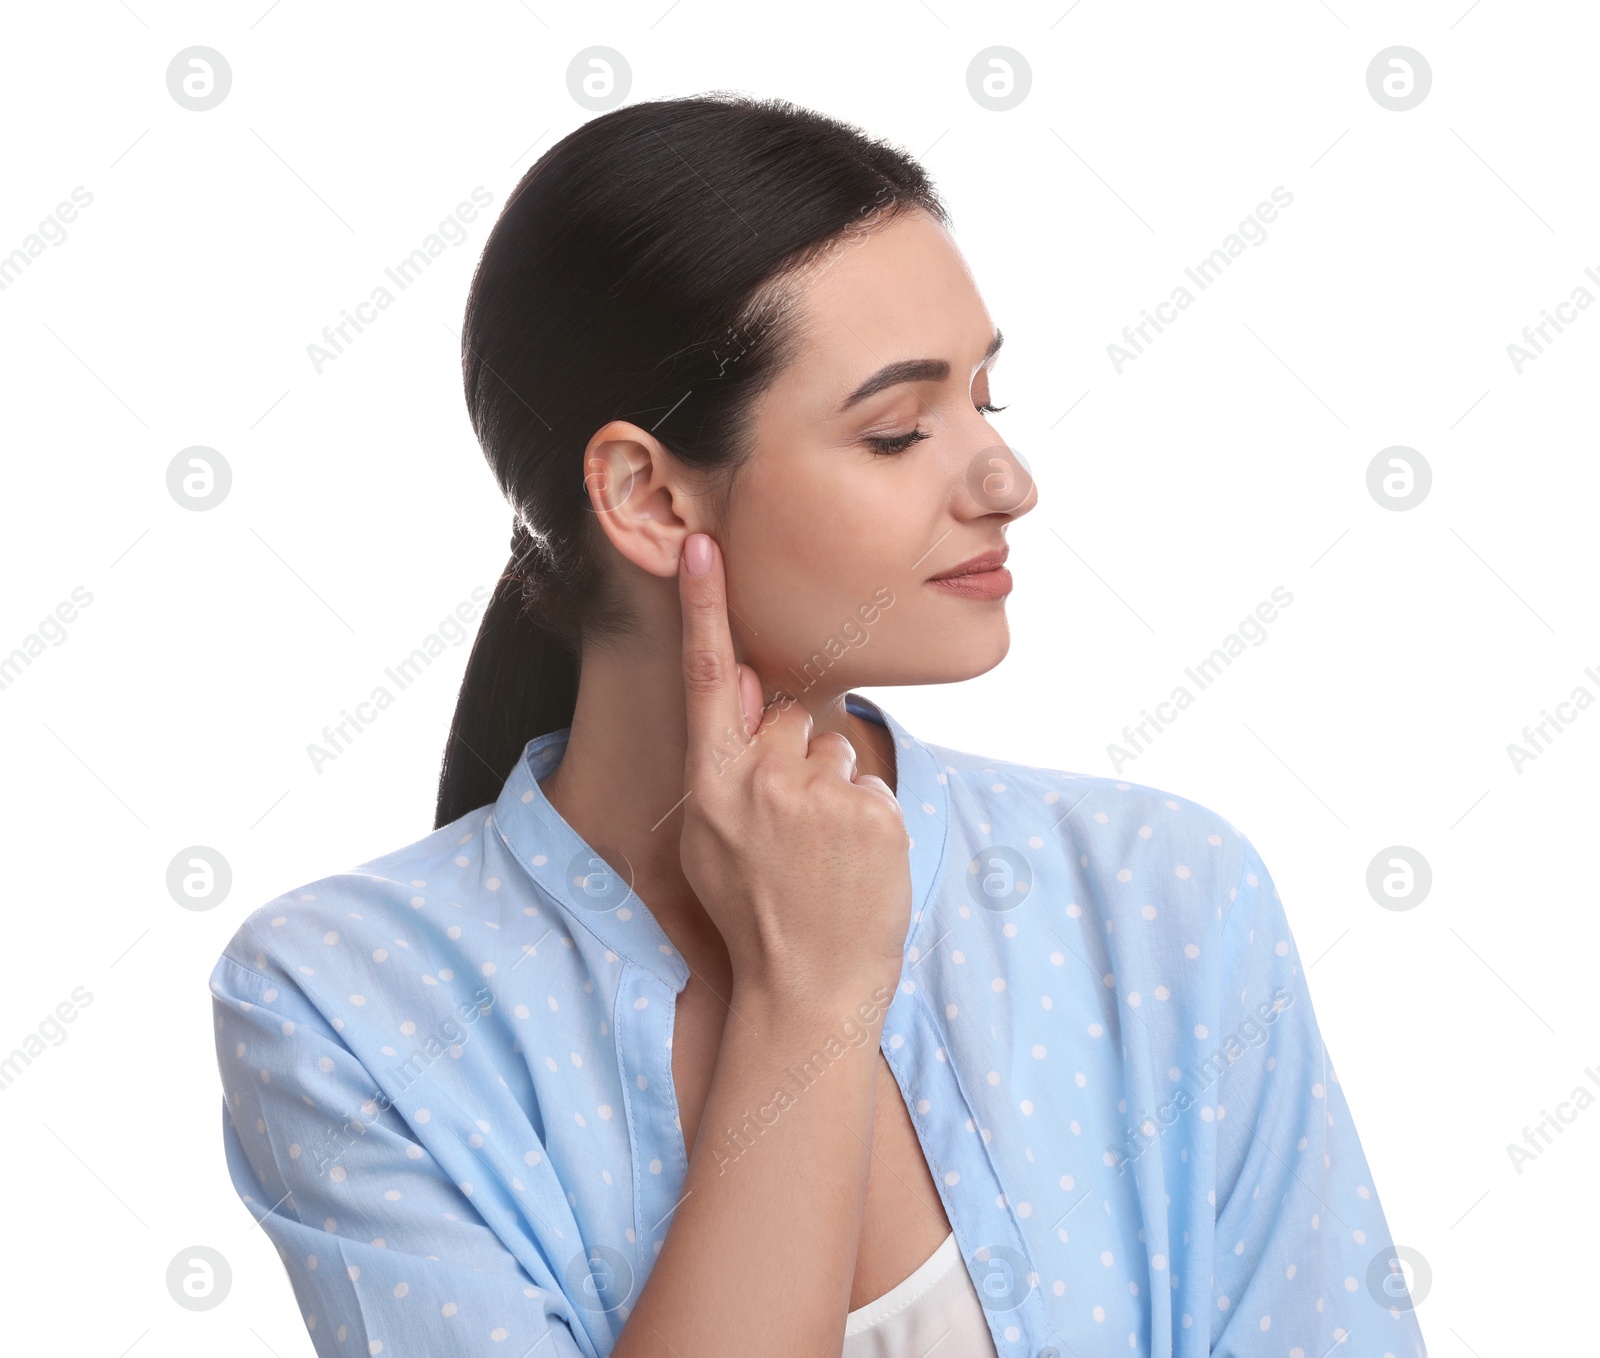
(697, 553)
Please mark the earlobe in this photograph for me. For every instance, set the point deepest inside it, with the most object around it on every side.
(629, 477)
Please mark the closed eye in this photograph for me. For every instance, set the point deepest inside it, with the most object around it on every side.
(898, 443)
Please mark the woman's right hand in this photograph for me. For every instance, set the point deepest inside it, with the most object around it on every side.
(799, 860)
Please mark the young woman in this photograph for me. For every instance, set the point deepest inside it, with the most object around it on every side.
(721, 1015)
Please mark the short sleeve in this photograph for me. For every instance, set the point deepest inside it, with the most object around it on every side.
(1303, 1253)
(386, 1254)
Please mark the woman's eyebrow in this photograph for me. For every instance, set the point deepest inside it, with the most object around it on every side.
(912, 370)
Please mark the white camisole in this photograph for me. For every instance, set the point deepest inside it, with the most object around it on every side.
(936, 1303)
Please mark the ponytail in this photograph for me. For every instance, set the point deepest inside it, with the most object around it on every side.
(521, 682)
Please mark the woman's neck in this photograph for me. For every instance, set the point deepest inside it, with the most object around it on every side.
(620, 781)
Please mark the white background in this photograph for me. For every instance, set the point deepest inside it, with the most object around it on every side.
(1228, 459)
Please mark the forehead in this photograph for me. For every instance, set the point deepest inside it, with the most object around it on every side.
(898, 291)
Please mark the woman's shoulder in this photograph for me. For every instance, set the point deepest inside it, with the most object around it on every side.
(1133, 839)
(1099, 799)
(376, 905)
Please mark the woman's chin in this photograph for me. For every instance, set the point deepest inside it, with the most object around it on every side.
(970, 667)
(948, 658)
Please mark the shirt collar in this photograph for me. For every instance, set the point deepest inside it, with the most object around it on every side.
(593, 898)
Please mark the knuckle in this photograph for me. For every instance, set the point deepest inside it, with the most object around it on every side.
(881, 814)
(770, 782)
(704, 671)
(791, 713)
(703, 604)
(832, 740)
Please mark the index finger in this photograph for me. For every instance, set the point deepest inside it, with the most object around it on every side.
(710, 673)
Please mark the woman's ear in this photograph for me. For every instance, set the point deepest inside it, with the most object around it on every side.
(636, 489)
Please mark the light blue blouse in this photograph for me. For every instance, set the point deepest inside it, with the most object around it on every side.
(449, 1099)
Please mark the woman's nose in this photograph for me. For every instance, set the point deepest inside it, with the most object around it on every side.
(997, 482)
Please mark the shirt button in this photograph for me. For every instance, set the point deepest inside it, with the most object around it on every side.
(1050, 1353)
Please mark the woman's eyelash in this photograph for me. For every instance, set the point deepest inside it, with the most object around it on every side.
(898, 443)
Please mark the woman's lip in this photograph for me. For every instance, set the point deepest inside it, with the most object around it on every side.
(973, 565)
(991, 584)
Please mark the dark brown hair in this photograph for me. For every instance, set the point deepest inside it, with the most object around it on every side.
(635, 273)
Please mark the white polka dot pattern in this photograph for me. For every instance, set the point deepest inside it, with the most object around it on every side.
(448, 1084)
